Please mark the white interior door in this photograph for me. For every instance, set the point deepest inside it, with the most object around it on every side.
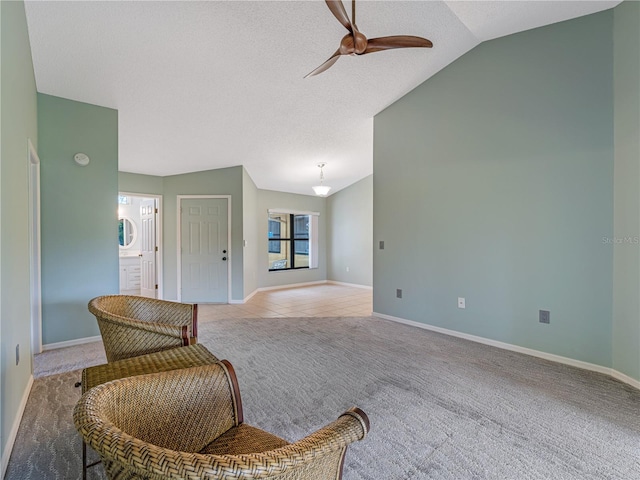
(204, 250)
(148, 249)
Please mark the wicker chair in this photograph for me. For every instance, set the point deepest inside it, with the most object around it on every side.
(188, 424)
(132, 326)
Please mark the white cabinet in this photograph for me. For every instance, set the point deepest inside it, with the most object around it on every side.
(130, 275)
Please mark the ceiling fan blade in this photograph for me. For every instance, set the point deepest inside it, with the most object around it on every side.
(337, 8)
(396, 41)
(333, 59)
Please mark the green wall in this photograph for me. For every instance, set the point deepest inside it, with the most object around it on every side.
(249, 269)
(18, 124)
(137, 183)
(626, 306)
(493, 181)
(250, 234)
(350, 243)
(79, 214)
(224, 181)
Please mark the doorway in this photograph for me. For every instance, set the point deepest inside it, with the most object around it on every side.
(34, 251)
(204, 248)
(140, 239)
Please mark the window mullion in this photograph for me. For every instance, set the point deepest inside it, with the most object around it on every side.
(295, 247)
(292, 241)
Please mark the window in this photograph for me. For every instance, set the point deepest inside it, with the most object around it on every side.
(291, 240)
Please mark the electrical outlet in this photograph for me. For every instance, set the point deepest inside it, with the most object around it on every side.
(545, 316)
(381, 244)
(398, 292)
(17, 354)
(461, 302)
(347, 269)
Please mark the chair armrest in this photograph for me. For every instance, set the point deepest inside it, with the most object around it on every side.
(331, 440)
(324, 449)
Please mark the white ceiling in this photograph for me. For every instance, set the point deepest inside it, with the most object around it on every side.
(213, 84)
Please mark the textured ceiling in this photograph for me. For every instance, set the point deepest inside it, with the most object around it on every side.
(205, 85)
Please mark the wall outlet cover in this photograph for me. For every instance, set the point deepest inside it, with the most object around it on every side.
(461, 302)
(544, 316)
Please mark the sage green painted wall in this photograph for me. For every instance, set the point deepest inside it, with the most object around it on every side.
(250, 234)
(290, 201)
(493, 181)
(249, 222)
(350, 234)
(79, 214)
(137, 183)
(224, 181)
(626, 267)
(18, 123)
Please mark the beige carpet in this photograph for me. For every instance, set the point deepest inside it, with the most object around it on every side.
(440, 407)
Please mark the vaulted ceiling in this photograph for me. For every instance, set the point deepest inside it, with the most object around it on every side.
(212, 84)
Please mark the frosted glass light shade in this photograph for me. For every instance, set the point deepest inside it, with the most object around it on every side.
(321, 190)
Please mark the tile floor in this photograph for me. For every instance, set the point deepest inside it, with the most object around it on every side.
(322, 300)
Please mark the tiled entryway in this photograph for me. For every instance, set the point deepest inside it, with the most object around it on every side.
(323, 300)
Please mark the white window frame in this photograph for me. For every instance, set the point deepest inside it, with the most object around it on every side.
(313, 233)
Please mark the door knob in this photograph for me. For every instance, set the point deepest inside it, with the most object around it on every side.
(224, 251)
(224, 258)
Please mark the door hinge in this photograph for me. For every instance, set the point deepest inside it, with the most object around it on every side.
(156, 210)
(156, 286)
(156, 248)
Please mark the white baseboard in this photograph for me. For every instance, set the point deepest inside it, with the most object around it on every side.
(294, 285)
(344, 284)
(516, 348)
(625, 379)
(71, 343)
(245, 300)
(277, 287)
(6, 454)
(250, 296)
(291, 285)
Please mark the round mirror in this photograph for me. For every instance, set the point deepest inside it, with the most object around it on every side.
(126, 232)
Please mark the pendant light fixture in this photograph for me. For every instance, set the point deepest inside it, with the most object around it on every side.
(321, 190)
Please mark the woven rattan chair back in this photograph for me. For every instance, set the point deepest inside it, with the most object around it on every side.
(188, 424)
(132, 325)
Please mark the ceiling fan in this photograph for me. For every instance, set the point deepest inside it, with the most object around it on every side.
(355, 43)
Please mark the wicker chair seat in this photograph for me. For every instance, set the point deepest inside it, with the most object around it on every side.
(153, 427)
(243, 439)
(132, 325)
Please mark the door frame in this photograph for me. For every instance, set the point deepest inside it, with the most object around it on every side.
(35, 251)
(179, 242)
(158, 199)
